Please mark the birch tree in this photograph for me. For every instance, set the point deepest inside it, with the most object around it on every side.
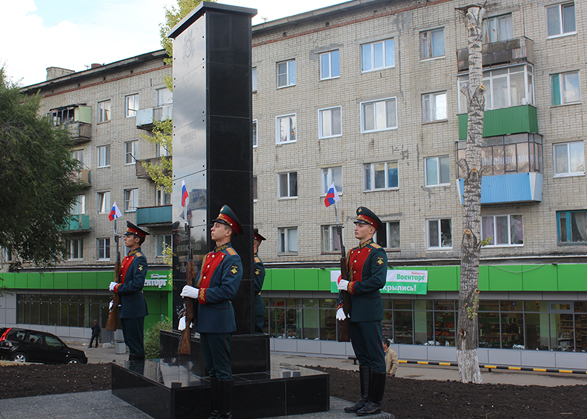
(467, 338)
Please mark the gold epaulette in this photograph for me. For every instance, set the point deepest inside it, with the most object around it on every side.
(231, 251)
(257, 259)
(375, 246)
(138, 254)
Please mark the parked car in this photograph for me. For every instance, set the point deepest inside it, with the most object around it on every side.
(24, 345)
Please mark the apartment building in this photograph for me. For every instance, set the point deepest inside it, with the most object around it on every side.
(366, 95)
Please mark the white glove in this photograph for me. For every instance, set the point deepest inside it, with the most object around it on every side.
(343, 285)
(190, 292)
(112, 285)
(110, 305)
(340, 315)
(181, 325)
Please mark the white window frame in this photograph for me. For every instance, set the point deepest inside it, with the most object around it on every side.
(377, 105)
(558, 8)
(374, 48)
(289, 193)
(255, 133)
(564, 92)
(131, 149)
(329, 176)
(104, 205)
(163, 96)
(79, 205)
(161, 197)
(572, 151)
(485, 235)
(439, 233)
(331, 242)
(131, 105)
(254, 79)
(430, 107)
(160, 241)
(75, 247)
(387, 226)
(288, 121)
(326, 115)
(161, 150)
(493, 28)
(326, 65)
(104, 111)
(439, 182)
(290, 73)
(131, 199)
(369, 175)
(103, 248)
(103, 156)
(427, 47)
(255, 190)
(283, 246)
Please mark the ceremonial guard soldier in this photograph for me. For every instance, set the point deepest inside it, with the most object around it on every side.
(367, 267)
(259, 306)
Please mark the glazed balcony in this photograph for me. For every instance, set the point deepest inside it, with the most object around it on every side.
(145, 117)
(504, 121)
(154, 216)
(77, 224)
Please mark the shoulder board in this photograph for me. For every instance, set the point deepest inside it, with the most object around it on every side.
(257, 259)
(138, 254)
(375, 246)
(230, 251)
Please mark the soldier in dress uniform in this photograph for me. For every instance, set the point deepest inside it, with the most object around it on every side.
(259, 279)
(367, 275)
(133, 307)
(218, 283)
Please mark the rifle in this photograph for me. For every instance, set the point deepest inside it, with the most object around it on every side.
(185, 341)
(343, 332)
(111, 323)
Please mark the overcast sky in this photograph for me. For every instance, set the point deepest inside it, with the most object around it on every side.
(73, 34)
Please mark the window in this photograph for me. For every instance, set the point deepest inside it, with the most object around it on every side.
(329, 65)
(286, 73)
(432, 43)
(161, 150)
(163, 241)
(288, 185)
(79, 156)
(163, 97)
(104, 156)
(79, 205)
(131, 200)
(434, 107)
(131, 149)
(286, 129)
(378, 115)
(569, 159)
(330, 175)
(104, 111)
(565, 88)
(378, 55)
(254, 79)
(439, 234)
(288, 240)
(502, 230)
(104, 202)
(104, 248)
(330, 122)
(498, 28)
(437, 171)
(75, 249)
(131, 105)
(6, 255)
(560, 19)
(255, 141)
(330, 239)
(572, 226)
(162, 197)
(381, 176)
(255, 196)
(388, 237)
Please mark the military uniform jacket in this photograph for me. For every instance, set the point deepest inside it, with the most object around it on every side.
(367, 275)
(130, 289)
(259, 279)
(218, 283)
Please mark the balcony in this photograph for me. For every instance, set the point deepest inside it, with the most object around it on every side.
(77, 120)
(154, 216)
(502, 189)
(519, 50)
(504, 121)
(145, 117)
(83, 177)
(141, 172)
(77, 224)
(80, 132)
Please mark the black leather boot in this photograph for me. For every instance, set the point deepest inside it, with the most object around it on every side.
(365, 379)
(225, 399)
(376, 390)
(214, 395)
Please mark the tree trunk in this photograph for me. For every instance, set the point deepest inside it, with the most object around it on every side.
(467, 337)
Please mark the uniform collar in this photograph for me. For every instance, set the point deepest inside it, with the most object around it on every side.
(368, 242)
(134, 252)
(224, 246)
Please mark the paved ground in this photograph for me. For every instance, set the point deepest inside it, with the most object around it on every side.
(102, 404)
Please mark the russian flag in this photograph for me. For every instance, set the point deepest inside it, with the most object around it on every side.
(331, 196)
(114, 212)
(184, 193)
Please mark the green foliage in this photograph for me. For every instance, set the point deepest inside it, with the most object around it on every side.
(37, 177)
(152, 338)
(161, 173)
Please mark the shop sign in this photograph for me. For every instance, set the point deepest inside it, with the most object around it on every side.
(159, 279)
(398, 282)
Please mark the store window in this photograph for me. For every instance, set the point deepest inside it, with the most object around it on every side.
(310, 318)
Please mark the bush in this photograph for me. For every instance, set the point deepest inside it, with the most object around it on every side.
(152, 338)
